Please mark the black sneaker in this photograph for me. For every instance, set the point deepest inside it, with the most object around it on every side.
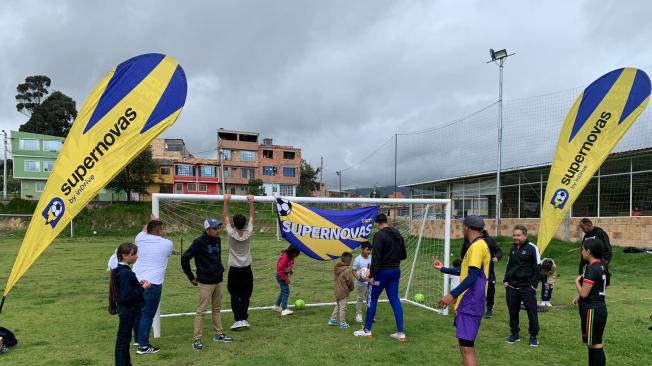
(534, 342)
(512, 339)
(222, 338)
(148, 349)
(197, 344)
(489, 313)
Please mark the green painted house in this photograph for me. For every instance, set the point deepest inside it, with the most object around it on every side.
(34, 156)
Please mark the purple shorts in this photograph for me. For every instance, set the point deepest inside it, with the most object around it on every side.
(466, 326)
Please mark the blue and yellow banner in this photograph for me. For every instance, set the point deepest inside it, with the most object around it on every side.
(324, 234)
(129, 108)
(595, 123)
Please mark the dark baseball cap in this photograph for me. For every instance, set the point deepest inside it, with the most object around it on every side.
(380, 218)
(212, 224)
(473, 222)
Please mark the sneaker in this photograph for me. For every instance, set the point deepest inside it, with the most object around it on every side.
(534, 342)
(489, 313)
(543, 303)
(343, 325)
(512, 339)
(222, 338)
(245, 324)
(287, 312)
(136, 345)
(197, 344)
(147, 349)
(237, 325)
(548, 304)
(277, 308)
(358, 318)
(332, 322)
(399, 336)
(362, 333)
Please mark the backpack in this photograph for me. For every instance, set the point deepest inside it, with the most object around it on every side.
(8, 338)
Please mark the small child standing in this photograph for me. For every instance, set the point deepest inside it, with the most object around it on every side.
(284, 269)
(125, 299)
(455, 278)
(361, 262)
(343, 279)
(548, 277)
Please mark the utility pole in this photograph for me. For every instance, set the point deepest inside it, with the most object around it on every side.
(395, 165)
(4, 180)
(339, 174)
(321, 174)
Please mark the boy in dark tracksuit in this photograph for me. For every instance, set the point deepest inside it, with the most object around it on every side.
(521, 280)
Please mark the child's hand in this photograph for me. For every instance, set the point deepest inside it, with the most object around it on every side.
(194, 282)
(575, 300)
(227, 197)
(287, 281)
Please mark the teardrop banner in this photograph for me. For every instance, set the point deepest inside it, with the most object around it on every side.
(129, 108)
(598, 119)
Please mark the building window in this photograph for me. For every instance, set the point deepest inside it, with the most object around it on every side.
(614, 195)
(289, 171)
(248, 173)
(269, 171)
(207, 171)
(642, 194)
(165, 171)
(586, 204)
(32, 166)
(203, 187)
(287, 190)
(227, 172)
(509, 207)
(247, 156)
(288, 155)
(226, 154)
(52, 145)
(530, 200)
(185, 170)
(268, 154)
(29, 144)
(192, 187)
(48, 165)
(179, 187)
(40, 186)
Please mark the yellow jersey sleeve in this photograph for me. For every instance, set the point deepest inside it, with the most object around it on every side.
(476, 255)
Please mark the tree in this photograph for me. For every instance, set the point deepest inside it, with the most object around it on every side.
(256, 187)
(307, 180)
(31, 93)
(52, 117)
(136, 176)
(13, 184)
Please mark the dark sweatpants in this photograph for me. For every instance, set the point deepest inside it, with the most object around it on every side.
(528, 296)
(491, 290)
(240, 285)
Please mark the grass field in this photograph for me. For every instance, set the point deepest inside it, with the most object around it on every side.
(58, 312)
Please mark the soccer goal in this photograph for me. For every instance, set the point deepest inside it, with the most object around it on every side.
(424, 223)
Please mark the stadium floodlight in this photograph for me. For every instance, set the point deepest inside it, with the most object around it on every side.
(497, 55)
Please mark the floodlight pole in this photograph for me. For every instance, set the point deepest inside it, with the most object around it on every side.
(4, 180)
(339, 174)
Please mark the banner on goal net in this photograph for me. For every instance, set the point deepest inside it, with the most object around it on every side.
(324, 234)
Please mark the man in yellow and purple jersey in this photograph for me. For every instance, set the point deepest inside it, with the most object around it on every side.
(470, 296)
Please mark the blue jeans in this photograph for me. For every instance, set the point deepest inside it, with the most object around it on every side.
(546, 293)
(128, 317)
(388, 280)
(283, 297)
(152, 297)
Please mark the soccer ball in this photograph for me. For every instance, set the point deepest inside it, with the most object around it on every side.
(419, 298)
(283, 206)
(299, 304)
(363, 274)
(561, 196)
(56, 208)
(94, 232)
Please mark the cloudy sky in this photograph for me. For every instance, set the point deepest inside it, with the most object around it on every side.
(336, 78)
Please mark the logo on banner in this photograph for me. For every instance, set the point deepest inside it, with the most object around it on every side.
(283, 206)
(560, 198)
(54, 212)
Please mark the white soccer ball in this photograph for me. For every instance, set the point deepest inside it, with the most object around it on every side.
(363, 274)
(94, 232)
(284, 207)
(561, 196)
(56, 208)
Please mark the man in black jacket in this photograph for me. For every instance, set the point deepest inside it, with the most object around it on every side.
(207, 251)
(596, 232)
(521, 280)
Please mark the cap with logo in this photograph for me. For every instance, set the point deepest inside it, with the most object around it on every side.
(211, 224)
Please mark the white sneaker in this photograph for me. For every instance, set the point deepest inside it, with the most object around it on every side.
(548, 304)
(237, 325)
(287, 312)
(362, 333)
(543, 303)
(245, 324)
(399, 336)
(277, 308)
(358, 318)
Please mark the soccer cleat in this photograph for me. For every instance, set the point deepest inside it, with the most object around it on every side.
(222, 338)
(489, 313)
(512, 339)
(534, 342)
(343, 325)
(399, 336)
(147, 349)
(287, 312)
(237, 325)
(362, 333)
(332, 322)
(358, 318)
(197, 344)
(277, 308)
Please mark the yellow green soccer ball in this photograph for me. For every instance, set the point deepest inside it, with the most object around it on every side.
(419, 298)
(299, 304)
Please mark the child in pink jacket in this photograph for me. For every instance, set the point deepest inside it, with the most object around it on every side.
(284, 267)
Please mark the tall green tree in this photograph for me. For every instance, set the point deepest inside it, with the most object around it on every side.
(136, 176)
(308, 182)
(256, 187)
(52, 117)
(31, 93)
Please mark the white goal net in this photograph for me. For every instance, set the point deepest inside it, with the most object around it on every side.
(424, 224)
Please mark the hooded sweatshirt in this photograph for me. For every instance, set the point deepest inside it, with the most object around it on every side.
(284, 266)
(388, 250)
(344, 281)
(207, 252)
(128, 290)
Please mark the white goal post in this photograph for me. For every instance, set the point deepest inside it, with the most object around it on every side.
(417, 216)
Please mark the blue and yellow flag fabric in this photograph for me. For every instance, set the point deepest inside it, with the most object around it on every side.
(595, 123)
(129, 108)
(324, 234)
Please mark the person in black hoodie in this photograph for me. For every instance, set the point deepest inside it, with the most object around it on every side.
(125, 299)
(596, 232)
(207, 252)
(388, 250)
(496, 255)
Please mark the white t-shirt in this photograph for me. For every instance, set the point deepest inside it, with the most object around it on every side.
(361, 262)
(239, 246)
(153, 254)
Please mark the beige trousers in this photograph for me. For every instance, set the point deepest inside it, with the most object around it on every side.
(361, 293)
(214, 294)
(340, 308)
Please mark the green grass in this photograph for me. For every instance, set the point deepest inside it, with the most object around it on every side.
(58, 312)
